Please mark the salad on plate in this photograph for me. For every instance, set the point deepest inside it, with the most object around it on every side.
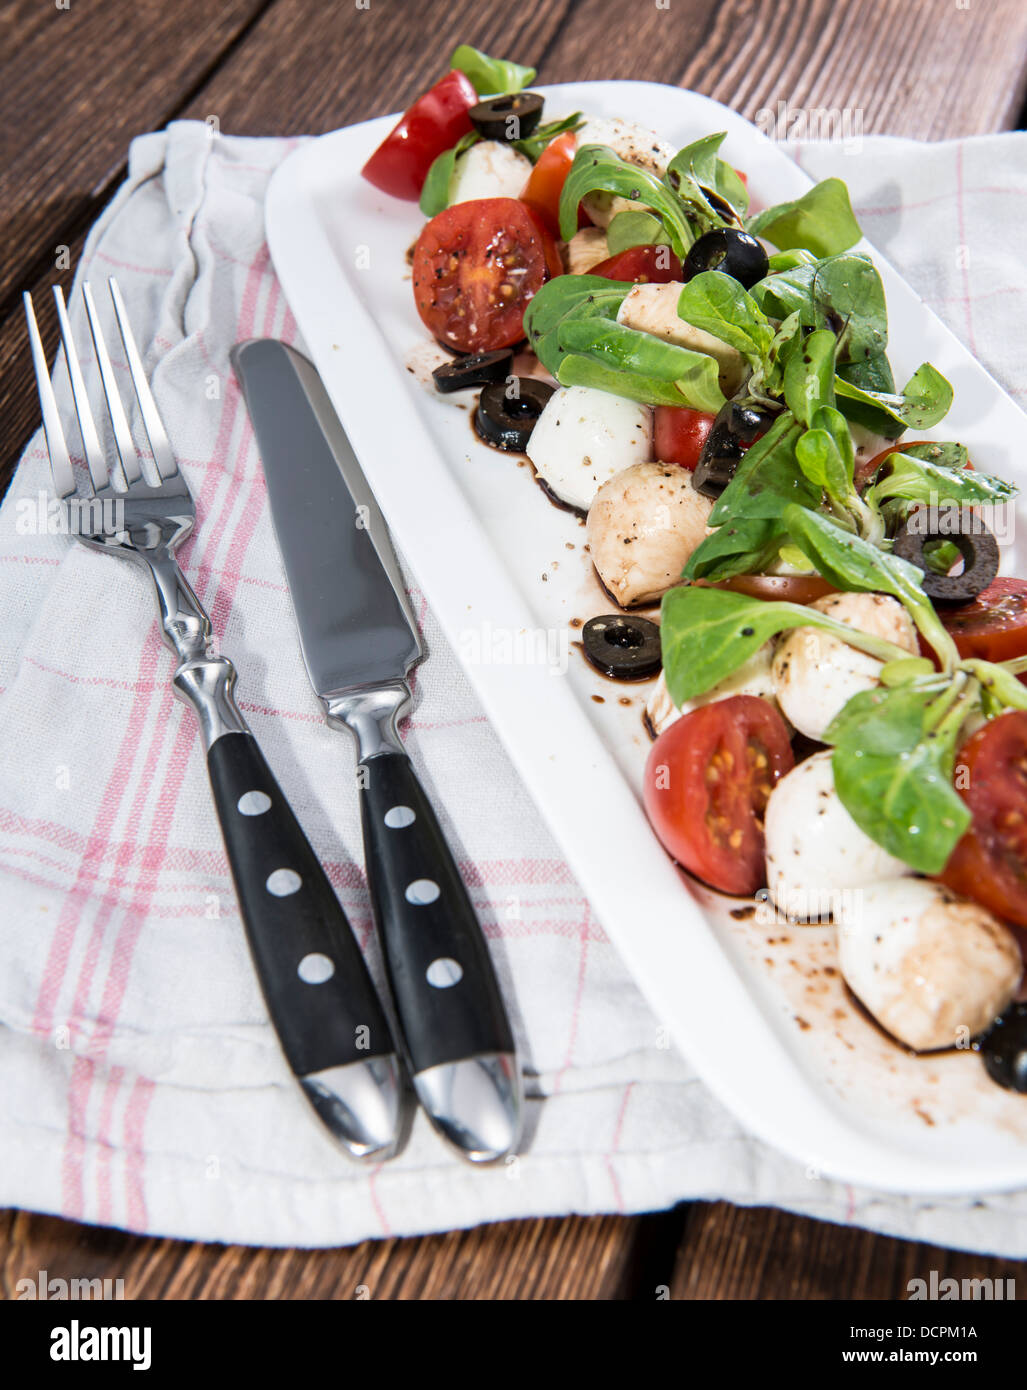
(839, 725)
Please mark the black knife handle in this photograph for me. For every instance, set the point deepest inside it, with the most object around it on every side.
(440, 971)
(294, 923)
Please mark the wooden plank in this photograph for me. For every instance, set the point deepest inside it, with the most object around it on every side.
(78, 84)
(761, 1253)
(920, 69)
(569, 1258)
(359, 63)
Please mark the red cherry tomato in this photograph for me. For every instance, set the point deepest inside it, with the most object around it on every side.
(546, 181)
(652, 265)
(554, 261)
(786, 588)
(989, 864)
(476, 265)
(431, 126)
(707, 782)
(679, 433)
(993, 626)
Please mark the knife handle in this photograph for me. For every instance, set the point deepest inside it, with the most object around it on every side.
(318, 991)
(459, 1045)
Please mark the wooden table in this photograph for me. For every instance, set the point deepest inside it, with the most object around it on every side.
(76, 84)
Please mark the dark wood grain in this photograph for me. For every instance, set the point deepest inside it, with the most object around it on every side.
(731, 1252)
(75, 86)
(601, 1257)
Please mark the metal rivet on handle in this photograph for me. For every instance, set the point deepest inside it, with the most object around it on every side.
(283, 882)
(316, 968)
(444, 972)
(253, 803)
(399, 817)
(422, 892)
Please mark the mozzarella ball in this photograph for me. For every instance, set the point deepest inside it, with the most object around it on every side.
(816, 674)
(753, 677)
(816, 853)
(488, 169)
(583, 437)
(642, 527)
(654, 309)
(925, 962)
(634, 143)
(586, 248)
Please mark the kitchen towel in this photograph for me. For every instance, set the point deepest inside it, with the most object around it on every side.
(140, 1084)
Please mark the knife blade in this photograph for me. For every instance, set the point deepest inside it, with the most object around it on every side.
(359, 643)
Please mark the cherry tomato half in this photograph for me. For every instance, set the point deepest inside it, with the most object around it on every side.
(993, 626)
(707, 783)
(546, 181)
(679, 433)
(432, 125)
(785, 588)
(476, 265)
(989, 864)
(643, 265)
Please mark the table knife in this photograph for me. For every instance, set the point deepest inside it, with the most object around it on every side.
(359, 643)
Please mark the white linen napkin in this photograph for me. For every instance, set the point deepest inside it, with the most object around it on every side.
(140, 1084)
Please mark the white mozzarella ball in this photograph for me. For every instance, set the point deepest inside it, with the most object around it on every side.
(653, 308)
(816, 674)
(586, 248)
(642, 527)
(583, 437)
(753, 677)
(634, 143)
(816, 853)
(488, 169)
(932, 968)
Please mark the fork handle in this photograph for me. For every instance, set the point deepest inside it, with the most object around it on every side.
(316, 985)
(318, 991)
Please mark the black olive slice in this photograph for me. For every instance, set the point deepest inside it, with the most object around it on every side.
(968, 534)
(507, 118)
(737, 254)
(507, 411)
(1004, 1049)
(738, 425)
(628, 649)
(474, 370)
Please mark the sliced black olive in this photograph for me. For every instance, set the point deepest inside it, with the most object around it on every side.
(507, 411)
(971, 538)
(628, 649)
(735, 253)
(1004, 1049)
(739, 424)
(474, 370)
(507, 118)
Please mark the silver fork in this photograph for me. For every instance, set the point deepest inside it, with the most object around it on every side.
(317, 988)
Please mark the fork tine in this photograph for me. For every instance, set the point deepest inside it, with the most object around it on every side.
(122, 433)
(159, 442)
(87, 428)
(57, 448)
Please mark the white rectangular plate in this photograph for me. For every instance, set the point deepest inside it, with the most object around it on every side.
(757, 1008)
